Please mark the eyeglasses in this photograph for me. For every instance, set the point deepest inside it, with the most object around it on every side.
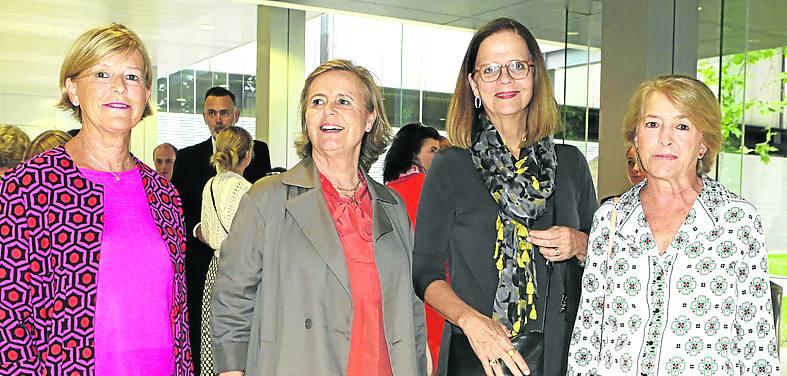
(517, 69)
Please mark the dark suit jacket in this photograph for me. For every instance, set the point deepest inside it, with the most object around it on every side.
(193, 169)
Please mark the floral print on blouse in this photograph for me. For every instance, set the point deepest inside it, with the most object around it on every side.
(701, 308)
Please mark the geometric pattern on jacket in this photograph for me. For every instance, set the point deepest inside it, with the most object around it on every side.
(51, 222)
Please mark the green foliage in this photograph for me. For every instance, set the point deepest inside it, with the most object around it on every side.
(730, 78)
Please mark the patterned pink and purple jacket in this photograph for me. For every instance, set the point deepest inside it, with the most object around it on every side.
(51, 222)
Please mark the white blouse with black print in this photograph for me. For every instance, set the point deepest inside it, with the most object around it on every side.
(701, 308)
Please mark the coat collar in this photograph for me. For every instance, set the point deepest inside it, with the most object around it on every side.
(310, 212)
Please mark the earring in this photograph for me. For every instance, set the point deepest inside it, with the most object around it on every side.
(368, 130)
(477, 102)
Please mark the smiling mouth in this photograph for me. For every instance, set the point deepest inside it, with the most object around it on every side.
(117, 105)
(330, 128)
(506, 94)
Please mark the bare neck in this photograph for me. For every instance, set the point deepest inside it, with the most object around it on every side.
(670, 193)
(340, 171)
(101, 150)
(511, 129)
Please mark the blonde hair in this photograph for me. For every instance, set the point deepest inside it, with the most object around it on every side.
(94, 46)
(375, 141)
(46, 141)
(542, 112)
(692, 98)
(13, 142)
(232, 144)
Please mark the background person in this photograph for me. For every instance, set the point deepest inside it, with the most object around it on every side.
(45, 141)
(482, 202)
(633, 170)
(164, 159)
(683, 287)
(13, 142)
(220, 199)
(191, 171)
(90, 200)
(314, 278)
(406, 164)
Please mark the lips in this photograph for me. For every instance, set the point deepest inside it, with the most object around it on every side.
(666, 156)
(506, 94)
(330, 128)
(117, 105)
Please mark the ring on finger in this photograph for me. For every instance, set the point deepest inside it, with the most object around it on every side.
(492, 362)
(557, 252)
(511, 352)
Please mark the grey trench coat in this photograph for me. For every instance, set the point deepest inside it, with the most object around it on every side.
(281, 301)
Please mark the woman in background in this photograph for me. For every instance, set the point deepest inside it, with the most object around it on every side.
(406, 164)
(13, 142)
(45, 141)
(220, 199)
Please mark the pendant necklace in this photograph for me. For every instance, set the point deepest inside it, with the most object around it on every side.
(123, 167)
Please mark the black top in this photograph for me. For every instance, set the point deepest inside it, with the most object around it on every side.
(456, 223)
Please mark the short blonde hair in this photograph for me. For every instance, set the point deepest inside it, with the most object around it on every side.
(232, 144)
(375, 141)
(46, 141)
(542, 113)
(692, 98)
(13, 143)
(94, 46)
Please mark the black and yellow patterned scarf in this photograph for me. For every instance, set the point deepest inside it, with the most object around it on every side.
(521, 188)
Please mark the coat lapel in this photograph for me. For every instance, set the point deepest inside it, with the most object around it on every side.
(310, 212)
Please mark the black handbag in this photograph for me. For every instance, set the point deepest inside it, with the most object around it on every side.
(530, 344)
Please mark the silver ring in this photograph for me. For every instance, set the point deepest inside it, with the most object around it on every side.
(492, 362)
(557, 252)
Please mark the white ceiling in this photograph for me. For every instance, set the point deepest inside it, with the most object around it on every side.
(35, 34)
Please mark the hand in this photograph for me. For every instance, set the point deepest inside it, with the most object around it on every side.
(559, 243)
(489, 340)
(198, 233)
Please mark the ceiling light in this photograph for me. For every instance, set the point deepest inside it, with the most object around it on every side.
(207, 27)
(572, 33)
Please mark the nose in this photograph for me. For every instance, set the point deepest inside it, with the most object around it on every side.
(505, 77)
(665, 135)
(330, 108)
(119, 84)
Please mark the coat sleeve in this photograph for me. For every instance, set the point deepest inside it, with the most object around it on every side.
(756, 349)
(235, 289)
(16, 321)
(584, 352)
(435, 218)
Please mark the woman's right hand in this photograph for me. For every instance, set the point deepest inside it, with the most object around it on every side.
(489, 340)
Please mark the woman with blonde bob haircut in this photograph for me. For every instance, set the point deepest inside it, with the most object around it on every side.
(317, 262)
(508, 210)
(676, 280)
(45, 141)
(104, 233)
(220, 199)
(13, 143)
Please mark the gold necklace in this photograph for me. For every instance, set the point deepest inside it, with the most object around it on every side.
(349, 193)
(123, 167)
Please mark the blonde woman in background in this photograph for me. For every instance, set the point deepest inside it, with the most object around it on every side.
(46, 141)
(13, 142)
(220, 198)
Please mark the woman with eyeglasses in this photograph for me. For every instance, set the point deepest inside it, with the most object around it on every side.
(509, 210)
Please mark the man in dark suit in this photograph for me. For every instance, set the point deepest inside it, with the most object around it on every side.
(192, 170)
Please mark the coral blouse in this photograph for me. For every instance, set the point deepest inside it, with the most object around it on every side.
(353, 220)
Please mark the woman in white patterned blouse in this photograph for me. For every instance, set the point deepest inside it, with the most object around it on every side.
(679, 283)
(220, 199)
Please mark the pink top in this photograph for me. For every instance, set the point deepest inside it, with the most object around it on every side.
(133, 332)
(368, 347)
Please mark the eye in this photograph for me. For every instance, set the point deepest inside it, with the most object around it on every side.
(490, 69)
(517, 65)
(651, 124)
(225, 112)
(683, 127)
(102, 74)
(344, 101)
(132, 77)
(433, 149)
(630, 162)
(317, 101)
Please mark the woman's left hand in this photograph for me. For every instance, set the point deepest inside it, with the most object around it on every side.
(559, 243)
